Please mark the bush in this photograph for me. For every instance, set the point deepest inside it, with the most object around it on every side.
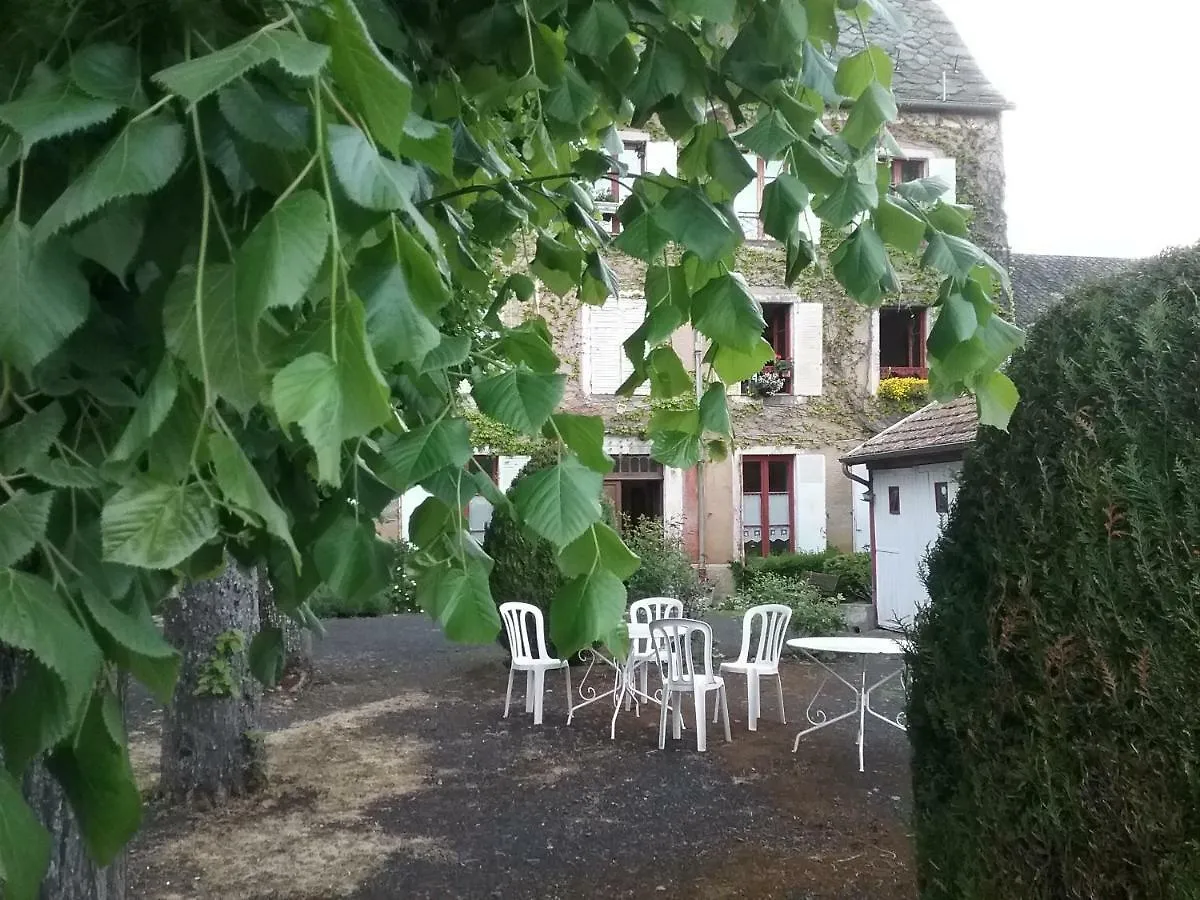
(1053, 711)
(398, 597)
(852, 569)
(854, 575)
(666, 569)
(812, 613)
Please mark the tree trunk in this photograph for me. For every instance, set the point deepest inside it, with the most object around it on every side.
(211, 749)
(297, 641)
(72, 875)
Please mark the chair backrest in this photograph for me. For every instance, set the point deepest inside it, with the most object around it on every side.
(526, 628)
(676, 659)
(651, 609)
(771, 620)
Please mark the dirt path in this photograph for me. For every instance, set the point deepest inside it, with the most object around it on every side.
(394, 776)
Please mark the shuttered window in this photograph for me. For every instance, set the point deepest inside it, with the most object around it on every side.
(607, 328)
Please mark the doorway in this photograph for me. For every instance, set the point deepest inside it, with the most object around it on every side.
(635, 488)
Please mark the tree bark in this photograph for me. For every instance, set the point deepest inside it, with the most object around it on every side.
(297, 641)
(211, 749)
(72, 875)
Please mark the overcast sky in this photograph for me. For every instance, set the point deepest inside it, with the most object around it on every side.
(1101, 148)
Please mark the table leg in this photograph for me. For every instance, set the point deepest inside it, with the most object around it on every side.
(818, 718)
(862, 715)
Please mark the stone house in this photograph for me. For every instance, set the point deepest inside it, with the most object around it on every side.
(782, 487)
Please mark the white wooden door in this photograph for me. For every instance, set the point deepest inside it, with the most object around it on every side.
(903, 538)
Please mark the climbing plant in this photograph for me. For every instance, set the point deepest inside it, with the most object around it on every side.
(254, 255)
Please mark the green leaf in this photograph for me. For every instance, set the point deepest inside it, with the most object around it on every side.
(923, 191)
(641, 236)
(678, 449)
(728, 167)
(584, 435)
(412, 457)
(599, 281)
(956, 322)
(597, 30)
(519, 398)
(227, 357)
(668, 377)
(351, 560)
(368, 178)
(306, 391)
(109, 72)
(137, 645)
(139, 161)
(586, 609)
(397, 330)
(572, 101)
(30, 438)
(661, 73)
(714, 410)
(299, 57)
(769, 137)
(997, 397)
(725, 312)
(952, 255)
(376, 88)
(452, 351)
(261, 114)
(429, 142)
(687, 216)
(157, 526)
(196, 78)
(151, 412)
(849, 198)
(23, 520)
(560, 502)
(35, 617)
(819, 74)
(113, 239)
(43, 116)
(815, 168)
(598, 548)
(460, 600)
(428, 289)
(783, 201)
(278, 262)
(97, 778)
(899, 227)
(267, 656)
(857, 71)
(717, 11)
(734, 365)
(44, 299)
(243, 487)
(530, 343)
(873, 109)
(24, 843)
(557, 264)
(861, 265)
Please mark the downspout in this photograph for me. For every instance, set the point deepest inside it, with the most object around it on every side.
(701, 556)
(870, 498)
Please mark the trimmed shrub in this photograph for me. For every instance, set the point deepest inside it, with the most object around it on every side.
(812, 613)
(852, 569)
(1053, 711)
(666, 569)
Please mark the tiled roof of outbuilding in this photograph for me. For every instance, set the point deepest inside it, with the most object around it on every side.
(938, 428)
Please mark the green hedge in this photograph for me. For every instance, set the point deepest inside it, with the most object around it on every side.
(853, 570)
(1053, 712)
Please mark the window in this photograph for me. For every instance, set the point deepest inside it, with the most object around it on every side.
(941, 497)
(609, 191)
(902, 342)
(905, 170)
(767, 502)
(894, 500)
(479, 510)
(606, 365)
(775, 377)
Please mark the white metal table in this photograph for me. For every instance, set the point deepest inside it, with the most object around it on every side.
(864, 647)
(624, 687)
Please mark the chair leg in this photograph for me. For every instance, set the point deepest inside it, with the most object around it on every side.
(529, 691)
(782, 706)
(539, 687)
(725, 709)
(752, 693)
(662, 723)
(508, 696)
(701, 728)
(570, 695)
(716, 709)
(677, 720)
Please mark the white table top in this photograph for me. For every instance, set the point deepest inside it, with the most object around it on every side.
(638, 630)
(876, 645)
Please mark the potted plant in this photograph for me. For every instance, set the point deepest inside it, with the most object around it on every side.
(772, 380)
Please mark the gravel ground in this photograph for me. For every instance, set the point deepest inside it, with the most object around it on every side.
(393, 775)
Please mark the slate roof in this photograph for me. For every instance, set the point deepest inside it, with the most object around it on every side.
(1040, 281)
(938, 428)
(929, 46)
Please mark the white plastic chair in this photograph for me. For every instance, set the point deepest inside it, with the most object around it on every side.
(642, 652)
(680, 676)
(526, 629)
(761, 658)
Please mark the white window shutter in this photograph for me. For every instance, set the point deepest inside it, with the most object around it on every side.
(809, 488)
(943, 167)
(508, 469)
(608, 326)
(662, 156)
(808, 364)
